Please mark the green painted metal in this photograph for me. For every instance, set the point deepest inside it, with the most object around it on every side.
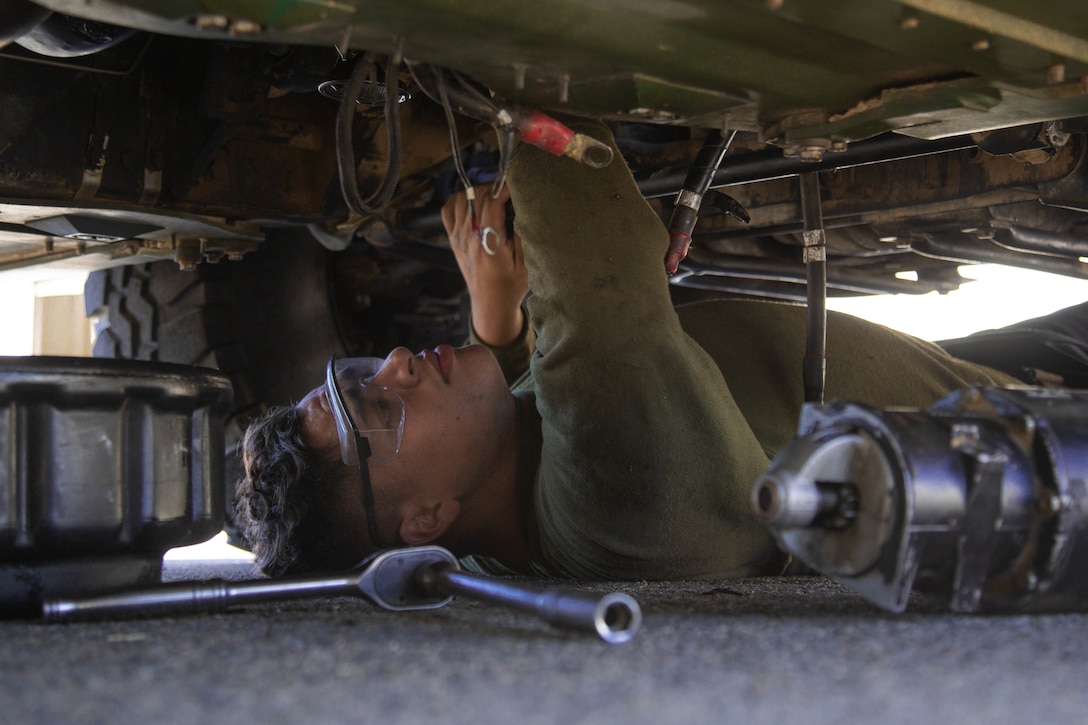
(792, 69)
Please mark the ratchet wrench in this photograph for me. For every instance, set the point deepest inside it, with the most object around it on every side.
(417, 578)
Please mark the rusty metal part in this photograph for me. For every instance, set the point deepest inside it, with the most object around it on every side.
(978, 501)
(771, 164)
(37, 232)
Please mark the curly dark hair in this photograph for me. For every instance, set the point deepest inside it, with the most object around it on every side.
(287, 501)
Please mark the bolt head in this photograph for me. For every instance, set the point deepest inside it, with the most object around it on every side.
(1031, 581)
(245, 27)
(211, 22)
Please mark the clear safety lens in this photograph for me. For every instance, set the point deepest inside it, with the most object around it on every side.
(373, 411)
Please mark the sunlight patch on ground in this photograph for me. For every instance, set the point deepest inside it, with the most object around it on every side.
(215, 548)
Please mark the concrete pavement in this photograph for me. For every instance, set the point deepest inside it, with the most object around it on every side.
(761, 650)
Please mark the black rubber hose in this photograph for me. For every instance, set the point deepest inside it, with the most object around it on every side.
(345, 146)
(685, 212)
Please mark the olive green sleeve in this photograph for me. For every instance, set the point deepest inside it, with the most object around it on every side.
(647, 461)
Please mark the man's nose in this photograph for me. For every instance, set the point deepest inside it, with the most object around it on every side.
(399, 370)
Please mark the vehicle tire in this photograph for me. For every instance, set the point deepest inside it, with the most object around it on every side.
(266, 322)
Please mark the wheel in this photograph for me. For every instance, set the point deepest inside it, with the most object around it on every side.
(266, 322)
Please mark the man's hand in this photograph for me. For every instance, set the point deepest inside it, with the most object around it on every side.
(497, 283)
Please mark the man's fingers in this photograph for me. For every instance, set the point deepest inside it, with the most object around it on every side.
(490, 212)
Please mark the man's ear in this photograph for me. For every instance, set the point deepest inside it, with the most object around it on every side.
(425, 523)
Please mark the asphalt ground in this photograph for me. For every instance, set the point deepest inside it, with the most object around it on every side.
(752, 651)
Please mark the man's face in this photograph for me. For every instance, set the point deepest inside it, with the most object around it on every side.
(458, 412)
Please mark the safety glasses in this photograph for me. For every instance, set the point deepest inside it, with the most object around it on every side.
(369, 421)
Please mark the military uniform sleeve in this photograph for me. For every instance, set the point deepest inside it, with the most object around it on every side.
(647, 461)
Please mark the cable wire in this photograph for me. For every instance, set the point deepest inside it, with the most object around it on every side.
(345, 146)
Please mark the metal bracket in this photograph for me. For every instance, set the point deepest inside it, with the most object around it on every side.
(982, 512)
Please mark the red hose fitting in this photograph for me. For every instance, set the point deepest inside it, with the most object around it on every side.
(546, 133)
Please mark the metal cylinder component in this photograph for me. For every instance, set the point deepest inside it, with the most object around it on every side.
(1040, 241)
(107, 465)
(804, 498)
(797, 499)
(978, 501)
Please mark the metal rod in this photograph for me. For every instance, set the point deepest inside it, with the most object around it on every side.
(815, 258)
(114, 250)
(192, 598)
(614, 617)
(1040, 241)
(766, 165)
(956, 248)
(746, 168)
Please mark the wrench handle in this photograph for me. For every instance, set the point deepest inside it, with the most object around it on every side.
(190, 598)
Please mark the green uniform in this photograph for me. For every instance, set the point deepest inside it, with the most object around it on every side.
(642, 428)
